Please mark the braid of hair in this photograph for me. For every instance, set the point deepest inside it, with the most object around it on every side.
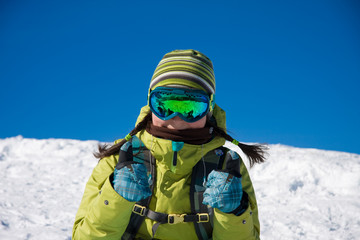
(255, 153)
(105, 150)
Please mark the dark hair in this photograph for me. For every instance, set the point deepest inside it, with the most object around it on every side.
(255, 153)
(105, 150)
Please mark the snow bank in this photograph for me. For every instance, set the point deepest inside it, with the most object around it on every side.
(41, 186)
(302, 193)
(309, 194)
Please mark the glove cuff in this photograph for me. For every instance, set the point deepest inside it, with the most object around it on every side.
(244, 204)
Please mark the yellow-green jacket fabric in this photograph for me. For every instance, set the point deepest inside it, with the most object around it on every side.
(104, 214)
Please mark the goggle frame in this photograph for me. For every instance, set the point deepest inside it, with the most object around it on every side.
(182, 92)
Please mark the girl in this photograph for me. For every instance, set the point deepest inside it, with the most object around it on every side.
(171, 177)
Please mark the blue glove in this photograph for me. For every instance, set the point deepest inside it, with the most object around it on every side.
(223, 191)
(131, 182)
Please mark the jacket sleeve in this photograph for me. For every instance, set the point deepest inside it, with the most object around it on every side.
(102, 212)
(245, 226)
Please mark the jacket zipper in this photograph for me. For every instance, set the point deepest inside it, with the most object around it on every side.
(174, 161)
(176, 147)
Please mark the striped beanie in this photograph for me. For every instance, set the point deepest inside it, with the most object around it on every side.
(187, 68)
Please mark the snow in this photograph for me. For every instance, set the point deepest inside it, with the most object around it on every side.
(301, 193)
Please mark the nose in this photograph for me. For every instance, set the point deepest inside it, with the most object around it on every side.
(176, 119)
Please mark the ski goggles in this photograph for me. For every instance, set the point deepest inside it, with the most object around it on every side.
(190, 105)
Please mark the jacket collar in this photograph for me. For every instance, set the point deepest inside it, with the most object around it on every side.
(187, 157)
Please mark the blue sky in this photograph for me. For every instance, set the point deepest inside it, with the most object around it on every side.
(287, 71)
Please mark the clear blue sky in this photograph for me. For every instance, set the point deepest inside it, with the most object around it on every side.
(287, 71)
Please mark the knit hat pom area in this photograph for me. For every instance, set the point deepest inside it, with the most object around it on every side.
(188, 68)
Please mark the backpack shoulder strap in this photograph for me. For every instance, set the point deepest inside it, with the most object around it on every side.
(232, 162)
(138, 153)
(221, 158)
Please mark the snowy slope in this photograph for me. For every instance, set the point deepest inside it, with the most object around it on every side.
(302, 193)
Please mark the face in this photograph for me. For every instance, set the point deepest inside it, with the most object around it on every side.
(177, 123)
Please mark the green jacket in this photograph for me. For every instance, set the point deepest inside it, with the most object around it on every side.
(103, 213)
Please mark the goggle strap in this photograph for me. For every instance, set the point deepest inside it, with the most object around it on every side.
(212, 102)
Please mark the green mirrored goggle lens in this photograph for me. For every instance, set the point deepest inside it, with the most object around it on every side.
(189, 105)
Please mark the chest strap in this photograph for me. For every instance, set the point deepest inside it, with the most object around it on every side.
(162, 218)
